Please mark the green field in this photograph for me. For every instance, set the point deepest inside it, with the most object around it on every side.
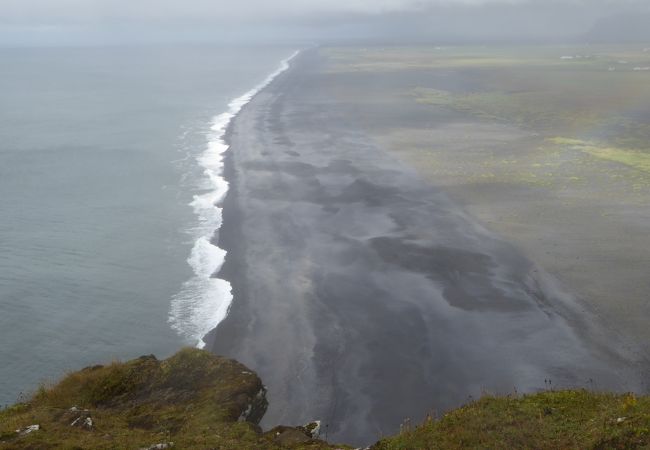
(596, 96)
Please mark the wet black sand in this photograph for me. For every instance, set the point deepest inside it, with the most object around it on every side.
(363, 295)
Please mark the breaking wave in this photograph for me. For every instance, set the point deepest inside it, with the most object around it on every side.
(204, 300)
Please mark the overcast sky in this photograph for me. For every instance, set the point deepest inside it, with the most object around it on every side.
(70, 21)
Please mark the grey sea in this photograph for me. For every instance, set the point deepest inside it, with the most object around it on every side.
(100, 171)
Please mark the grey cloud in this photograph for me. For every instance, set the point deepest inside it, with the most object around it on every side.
(111, 20)
(56, 11)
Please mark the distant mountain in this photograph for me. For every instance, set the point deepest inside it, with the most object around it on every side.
(621, 28)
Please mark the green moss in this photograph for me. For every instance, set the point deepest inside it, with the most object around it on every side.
(536, 110)
(636, 159)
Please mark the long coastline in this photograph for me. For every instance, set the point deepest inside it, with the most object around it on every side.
(363, 295)
(205, 299)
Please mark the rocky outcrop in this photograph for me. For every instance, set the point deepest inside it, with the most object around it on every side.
(192, 400)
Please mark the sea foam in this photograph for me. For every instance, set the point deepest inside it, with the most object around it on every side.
(204, 300)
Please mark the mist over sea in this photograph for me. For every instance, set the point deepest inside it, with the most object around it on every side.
(100, 161)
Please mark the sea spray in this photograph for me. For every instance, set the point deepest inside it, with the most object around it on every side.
(204, 300)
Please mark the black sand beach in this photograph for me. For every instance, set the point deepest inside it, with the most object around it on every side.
(362, 294)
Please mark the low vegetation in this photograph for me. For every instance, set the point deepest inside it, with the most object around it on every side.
(191, 400)
(635, 158)
(596, 101)
(550, 420)
(197, 400)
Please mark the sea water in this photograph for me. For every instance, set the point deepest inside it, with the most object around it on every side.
(110, 164)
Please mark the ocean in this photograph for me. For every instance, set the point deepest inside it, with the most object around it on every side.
(110, 164)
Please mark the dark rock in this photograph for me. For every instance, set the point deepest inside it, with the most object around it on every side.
(312, 429)
(287, 436)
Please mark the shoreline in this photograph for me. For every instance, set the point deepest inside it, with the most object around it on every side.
(356, 283)
(205, 299)
(228, 236)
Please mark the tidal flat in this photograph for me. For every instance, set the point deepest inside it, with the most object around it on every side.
(547, 146)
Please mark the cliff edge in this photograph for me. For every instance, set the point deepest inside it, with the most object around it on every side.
(196, 400)
(191, 400)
